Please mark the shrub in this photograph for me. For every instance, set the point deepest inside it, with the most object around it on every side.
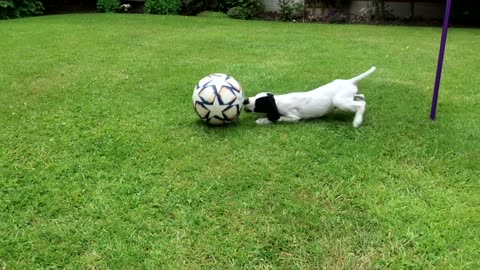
(237, 13)
(10, 9)
(250, 8)
(242, 9)
(194, 7)
(225, 5)
(380, 11)
(163, 7)
(108, 5)
(290, 9)
(254, 8)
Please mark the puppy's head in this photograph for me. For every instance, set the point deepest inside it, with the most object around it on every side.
(260, 103)
(263, 103)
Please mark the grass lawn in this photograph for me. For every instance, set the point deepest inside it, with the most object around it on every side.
(104, 163)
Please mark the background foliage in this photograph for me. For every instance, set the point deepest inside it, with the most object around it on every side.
(10, 9)
(290, 9)
(242, 9)
(163, 7)
(108, 5)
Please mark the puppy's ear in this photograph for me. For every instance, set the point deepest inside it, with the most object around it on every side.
(267, 105)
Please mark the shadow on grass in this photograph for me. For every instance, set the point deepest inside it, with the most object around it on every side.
(334, 118)
(337, 118)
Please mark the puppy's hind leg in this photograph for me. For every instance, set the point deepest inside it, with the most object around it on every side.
(356, 106)
(359, 97)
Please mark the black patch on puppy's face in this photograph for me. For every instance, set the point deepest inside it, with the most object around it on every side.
(267, 105)
(246, 106)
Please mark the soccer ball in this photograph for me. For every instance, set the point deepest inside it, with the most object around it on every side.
(218, 99)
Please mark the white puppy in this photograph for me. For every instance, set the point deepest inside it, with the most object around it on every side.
(341, 94)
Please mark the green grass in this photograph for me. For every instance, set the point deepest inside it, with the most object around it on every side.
(212, 14)
(104, 163)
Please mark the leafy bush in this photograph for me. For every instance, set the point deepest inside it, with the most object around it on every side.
(242, 9)
(250, 8)
(108, 5)
(163, 7)
(381, 11)
(290, 9)
(194, 7)
(255, 8)
(237, 13)
(10, 9)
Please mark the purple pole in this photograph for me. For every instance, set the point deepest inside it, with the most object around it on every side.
(443, 43)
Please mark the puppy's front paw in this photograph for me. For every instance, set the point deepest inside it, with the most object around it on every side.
(357, 123)
(263, 121)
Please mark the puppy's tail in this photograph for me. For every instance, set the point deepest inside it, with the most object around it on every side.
(362, 76)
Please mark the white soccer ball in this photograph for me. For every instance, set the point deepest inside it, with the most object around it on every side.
(218, 99)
